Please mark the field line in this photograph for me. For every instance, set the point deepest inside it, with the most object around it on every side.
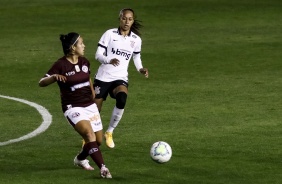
(46, 116)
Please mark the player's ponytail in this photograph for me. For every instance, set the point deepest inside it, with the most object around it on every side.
(135, 28)
(68, 41)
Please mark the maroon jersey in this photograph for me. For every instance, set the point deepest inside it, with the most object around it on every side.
(76, 91)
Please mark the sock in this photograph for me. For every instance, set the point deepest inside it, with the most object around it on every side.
(95, 153)
(116, 116)
(83, 154)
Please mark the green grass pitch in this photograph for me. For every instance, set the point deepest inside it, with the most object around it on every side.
(214, 92)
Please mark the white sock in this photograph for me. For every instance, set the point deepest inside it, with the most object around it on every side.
(116, 116)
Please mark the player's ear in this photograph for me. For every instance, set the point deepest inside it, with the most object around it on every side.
(73, 47)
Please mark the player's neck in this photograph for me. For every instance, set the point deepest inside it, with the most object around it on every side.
(124, 33)
(72, 59)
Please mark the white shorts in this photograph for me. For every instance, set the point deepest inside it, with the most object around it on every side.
(90, 113)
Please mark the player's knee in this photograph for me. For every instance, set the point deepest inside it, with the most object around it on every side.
(121, 100)
(88, 136)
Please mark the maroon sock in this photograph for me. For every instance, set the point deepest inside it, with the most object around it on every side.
(93, 150)
(83, 154)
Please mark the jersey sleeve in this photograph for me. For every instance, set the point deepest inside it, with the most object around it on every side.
(137, 48)
(55, 69)
(137, 55)
(105, 39)
(101, 53)
(137, 61)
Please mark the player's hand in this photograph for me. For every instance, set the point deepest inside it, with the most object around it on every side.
(114, 62)
(145, 72)
(61, 78)
(93, 96)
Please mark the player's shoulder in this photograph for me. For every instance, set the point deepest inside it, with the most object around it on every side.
(112, 31)
(83, 60)
(60, 61)
(135, 37)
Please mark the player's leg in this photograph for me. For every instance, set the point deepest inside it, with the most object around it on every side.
(82, 127)
(121, 97)
(79, 118)
(120, 94)
(90, 148)
(99, 137)
(101, 90)
(99, 103)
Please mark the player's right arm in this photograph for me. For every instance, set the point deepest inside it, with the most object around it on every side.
(49, 79)
(103, 59)
(101, 52)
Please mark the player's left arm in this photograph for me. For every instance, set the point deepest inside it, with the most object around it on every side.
(138, 64)
(137, 58)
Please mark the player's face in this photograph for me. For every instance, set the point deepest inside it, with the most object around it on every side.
(126, 20)
(79, 47)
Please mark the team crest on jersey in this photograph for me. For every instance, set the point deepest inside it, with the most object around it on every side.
(97, 89)
(85, 69)
(132, 43)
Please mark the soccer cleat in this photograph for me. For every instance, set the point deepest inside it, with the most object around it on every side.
(105, 173)
(109, 140)
(83, 163)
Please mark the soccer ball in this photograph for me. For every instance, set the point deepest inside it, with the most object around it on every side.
(161, 152)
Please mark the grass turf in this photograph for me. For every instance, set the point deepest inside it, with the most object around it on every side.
(213, 93)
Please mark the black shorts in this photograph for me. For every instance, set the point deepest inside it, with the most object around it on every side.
(102, 89)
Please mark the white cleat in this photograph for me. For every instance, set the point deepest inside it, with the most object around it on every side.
(83, 163)
(105, 173)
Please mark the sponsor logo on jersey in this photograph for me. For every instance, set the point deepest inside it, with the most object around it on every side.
(121, 53)
(80, 85)
(85, 69)
(70, 73)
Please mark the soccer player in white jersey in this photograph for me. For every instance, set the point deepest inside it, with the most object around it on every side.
(115, 49)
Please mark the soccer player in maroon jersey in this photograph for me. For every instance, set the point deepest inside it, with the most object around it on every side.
(72, 74)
